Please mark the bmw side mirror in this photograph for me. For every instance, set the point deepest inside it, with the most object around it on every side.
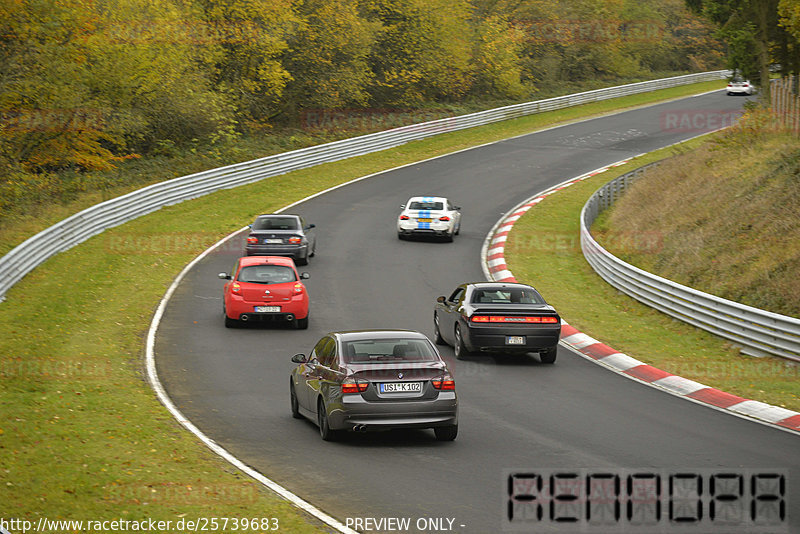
(299, 358)
(224, 276)
(305, 276)
(441, 299)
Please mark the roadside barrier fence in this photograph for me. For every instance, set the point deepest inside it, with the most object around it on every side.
(757, 332)
(92, 221)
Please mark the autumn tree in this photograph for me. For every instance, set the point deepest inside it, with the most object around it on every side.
(84, 84)
(423, 53)
(248, 39)
(751, 30)
(328, 55)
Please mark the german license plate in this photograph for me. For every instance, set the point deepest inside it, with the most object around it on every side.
(515, 340)
(273, 241)
(401, 387)
(268, 309)
(425, 220)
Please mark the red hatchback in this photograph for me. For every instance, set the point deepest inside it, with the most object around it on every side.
(265, 288)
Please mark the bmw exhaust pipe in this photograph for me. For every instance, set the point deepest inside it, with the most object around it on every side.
(360, 428)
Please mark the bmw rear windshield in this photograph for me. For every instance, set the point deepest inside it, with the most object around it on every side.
(388, 350)
(276, 223)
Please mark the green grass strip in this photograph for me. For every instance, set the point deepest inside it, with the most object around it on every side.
(543, 249)
(82, 435)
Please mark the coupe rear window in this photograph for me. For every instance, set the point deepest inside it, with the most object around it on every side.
(276, 223)
(388, 350)
(426, 206)
(506, 296)
(267, 274)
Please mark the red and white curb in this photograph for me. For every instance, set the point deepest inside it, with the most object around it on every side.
(495, 268)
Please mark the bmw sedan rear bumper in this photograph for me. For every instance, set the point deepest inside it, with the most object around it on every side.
(383, 415)
(434, 228)
(292, 251)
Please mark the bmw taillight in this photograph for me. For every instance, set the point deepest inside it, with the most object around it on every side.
(295, 240)
(444, 383)
(236, 288)
(444, 218)
(350, 385)
(513, 319)
(252, 240)
(404, 217)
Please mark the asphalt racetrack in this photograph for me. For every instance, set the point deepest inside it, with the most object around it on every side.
(515, 413)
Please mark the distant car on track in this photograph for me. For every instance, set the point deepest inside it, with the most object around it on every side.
(282, 235)
(497, 317)
(374, 380)
(738, 86)
(432, 216)
(265, 288)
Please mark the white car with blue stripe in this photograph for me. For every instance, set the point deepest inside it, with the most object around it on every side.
(433, 216)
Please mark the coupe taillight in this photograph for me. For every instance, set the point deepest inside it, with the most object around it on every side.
(444, 218)
(404, 217)
(252, 240)
(513, 319)
(354, 386)
(444, 383)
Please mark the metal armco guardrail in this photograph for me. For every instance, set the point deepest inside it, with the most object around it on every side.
(757, 332)
(92, 221)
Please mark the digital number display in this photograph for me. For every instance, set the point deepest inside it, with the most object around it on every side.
(646, 500)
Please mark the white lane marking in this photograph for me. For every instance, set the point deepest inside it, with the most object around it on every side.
(158, 387)
(680, 385)
(579, 340)
(621, 362)
(761, 410)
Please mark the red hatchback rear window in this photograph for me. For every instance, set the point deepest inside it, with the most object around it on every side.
(267, 274)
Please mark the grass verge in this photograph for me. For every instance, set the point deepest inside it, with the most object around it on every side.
(82, 435)
(732, 206)
(557, 268)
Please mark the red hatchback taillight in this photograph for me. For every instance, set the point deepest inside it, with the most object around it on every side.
(252, 240)
(513, 319)
(354, 386)
(299, 288)
(236, 288)
(444, 383)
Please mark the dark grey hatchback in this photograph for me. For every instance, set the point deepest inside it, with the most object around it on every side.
(374, 380)
(282, 235)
